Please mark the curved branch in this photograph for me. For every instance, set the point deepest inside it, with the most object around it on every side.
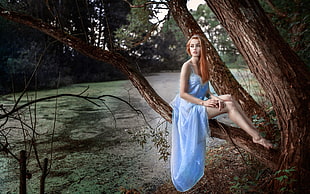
(87, 98)
(137, 79)
(275, 9)
(243, 140)
(5, 149)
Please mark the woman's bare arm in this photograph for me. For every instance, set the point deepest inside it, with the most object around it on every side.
(184, 77)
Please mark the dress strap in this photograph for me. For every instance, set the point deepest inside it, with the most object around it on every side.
(192, 69)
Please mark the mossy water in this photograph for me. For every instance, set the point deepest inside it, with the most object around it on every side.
(90, 150)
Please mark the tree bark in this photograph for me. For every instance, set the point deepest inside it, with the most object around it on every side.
(281, 73)
(238, 137)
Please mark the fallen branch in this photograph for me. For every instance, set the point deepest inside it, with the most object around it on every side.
(87, 98)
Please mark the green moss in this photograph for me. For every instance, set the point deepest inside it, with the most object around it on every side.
(91, 153)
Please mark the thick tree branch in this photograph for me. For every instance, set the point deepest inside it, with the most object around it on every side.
(137, 79)
(243, 140)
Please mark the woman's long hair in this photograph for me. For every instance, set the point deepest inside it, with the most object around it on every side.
(204, 69)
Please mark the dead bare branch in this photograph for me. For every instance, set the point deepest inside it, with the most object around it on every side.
(87, 98)
(4, 147)
(275, 9)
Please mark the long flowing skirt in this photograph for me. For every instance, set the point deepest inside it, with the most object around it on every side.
(189, 134)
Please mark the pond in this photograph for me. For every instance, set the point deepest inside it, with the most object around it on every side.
(90, 146)
(91, 149)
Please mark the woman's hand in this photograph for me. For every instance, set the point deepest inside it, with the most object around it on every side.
(214, 103)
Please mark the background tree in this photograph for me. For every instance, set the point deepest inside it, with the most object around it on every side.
(171, 45)
(20, 46)
(218, 36)
(292, 20)
(145, 41)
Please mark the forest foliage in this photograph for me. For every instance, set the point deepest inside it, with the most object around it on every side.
(154, 44)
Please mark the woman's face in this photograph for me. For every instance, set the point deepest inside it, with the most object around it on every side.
(195, 48)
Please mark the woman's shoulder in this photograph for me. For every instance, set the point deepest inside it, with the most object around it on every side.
(186, 68)
(188, 62)
(187, 65)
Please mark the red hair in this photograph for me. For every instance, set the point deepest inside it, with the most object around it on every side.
(204, 69)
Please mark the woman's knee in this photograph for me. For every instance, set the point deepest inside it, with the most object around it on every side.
(226, 97)
(231, 106)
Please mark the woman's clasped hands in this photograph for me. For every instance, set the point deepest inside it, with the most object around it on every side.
(214, 103)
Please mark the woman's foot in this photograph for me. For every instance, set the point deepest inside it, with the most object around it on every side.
(264, 142)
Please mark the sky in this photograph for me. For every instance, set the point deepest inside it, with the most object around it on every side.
(193, 4)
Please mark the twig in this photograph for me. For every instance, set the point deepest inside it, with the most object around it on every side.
(32, 76)
(53, 132)
(230, 138)
(275, 9)
(111, 113)
(5, 149)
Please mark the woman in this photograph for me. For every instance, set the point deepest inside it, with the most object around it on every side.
(191, 111)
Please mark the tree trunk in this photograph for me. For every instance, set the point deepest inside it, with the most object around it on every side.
(43, 176)
(281, 73)
(23, 171)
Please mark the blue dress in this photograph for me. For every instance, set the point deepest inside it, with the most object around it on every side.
(190, 130)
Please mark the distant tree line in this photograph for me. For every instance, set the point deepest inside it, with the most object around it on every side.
(113, 25)
(23, 48)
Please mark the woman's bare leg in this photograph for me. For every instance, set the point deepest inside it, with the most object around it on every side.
(229, 98)
(237, 115)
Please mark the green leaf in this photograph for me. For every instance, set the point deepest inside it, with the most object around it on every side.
(279, 178)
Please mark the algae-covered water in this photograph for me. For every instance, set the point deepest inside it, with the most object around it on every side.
(90, 149)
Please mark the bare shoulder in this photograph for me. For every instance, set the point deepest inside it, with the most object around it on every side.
(186, 67)
(184, 76)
